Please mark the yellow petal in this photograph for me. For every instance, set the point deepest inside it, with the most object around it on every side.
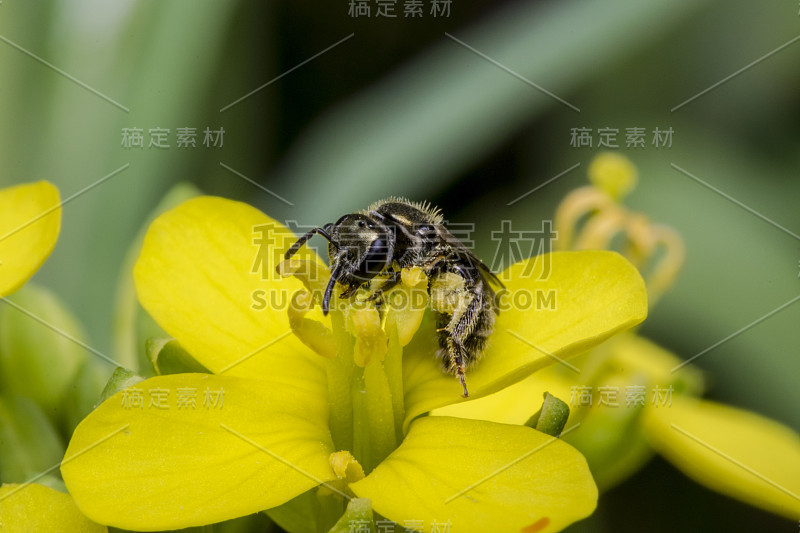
(608, 436)
(481, 476)
(38, 508)
(633, 356)
(514, 404)
(203, 276)
(732, 451)
(198, 449)
(30, 219)
(594, 295)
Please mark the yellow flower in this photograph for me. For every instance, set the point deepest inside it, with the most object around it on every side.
(297, 401)
(730, 450)
(30, 219)
(38, 508)
(640, 398)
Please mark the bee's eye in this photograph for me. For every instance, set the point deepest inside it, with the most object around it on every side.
(375, 259)
(361, 223)
(426, 230)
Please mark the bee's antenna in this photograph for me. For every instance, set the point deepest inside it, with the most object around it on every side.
(326, 299)
(302, 240)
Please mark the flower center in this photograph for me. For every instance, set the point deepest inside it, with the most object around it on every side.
(362, 343)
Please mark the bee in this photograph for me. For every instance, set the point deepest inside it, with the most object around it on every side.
(373, 246)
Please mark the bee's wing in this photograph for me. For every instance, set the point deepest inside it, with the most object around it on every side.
(467, 255)
(487, 274)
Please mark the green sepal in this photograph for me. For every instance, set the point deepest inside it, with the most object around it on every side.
(356, 517)
(168, 357)
(121, 379)
(551, 418)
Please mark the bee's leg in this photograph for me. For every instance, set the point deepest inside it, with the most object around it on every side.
(460, 346)
(348, 291)
(453, 361)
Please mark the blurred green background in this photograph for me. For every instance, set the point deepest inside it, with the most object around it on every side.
(400, 106)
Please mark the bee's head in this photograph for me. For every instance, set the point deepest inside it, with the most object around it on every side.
(361, 248)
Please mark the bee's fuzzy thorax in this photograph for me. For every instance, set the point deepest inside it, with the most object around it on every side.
(430, 210)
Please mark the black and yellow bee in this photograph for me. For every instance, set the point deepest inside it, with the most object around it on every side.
(393, 234)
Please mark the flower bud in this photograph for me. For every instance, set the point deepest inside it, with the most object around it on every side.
(40, 354)
(29, 443)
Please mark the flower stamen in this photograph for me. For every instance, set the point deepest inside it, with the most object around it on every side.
(312, 333)
(346, 467)
(592, 217)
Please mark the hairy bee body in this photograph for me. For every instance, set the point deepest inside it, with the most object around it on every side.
(394, 234)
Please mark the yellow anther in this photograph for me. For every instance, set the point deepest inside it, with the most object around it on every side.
(346, 467)
(412, 277)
